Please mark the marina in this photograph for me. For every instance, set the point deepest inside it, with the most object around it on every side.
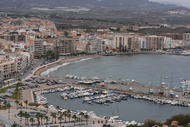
(91, 98)
(110, 96)
(148, 108)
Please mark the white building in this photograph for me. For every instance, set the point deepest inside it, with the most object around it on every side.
(142, 43)
(168, 43)
(96, 45)
(120, 40)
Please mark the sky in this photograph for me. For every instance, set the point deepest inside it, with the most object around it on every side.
(181, 2)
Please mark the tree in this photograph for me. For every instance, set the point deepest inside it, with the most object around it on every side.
(181, 118)
(17, 102)
(65, 114)
(53, 115)
(46, 119)
(41, 116)
(74, 117)
(16, 92)
(38, 118)
(58, 108)
(69, 116)
(150, 123)
(9, 109)
(132, 125)
(20, 104)
(81, 114)
(27, 116)
(4, 84)
(14, 125)
(21, 115)
(7, 106)
(26, 103)
(86, 117)
(32, 121)
(50, 55)
(24, 115)
(66, 34)
(60, 118)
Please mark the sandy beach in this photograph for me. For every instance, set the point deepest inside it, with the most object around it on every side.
(61, 61)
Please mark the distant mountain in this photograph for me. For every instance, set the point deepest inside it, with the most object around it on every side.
(131, 5)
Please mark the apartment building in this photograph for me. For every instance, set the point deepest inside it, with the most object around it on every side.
(120, 40)
(128, 42)
(38, 48)
(11, 65)
(155, 42)
(142, 43)
(186, 36)
(66, 45)
(7, 67)
(13, 37)
(48, 46)
(168, 43)
(96, 45)
(174, 36)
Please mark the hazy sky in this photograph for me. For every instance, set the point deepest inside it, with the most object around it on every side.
(182, 2)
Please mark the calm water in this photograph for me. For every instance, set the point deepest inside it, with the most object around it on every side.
(132, 109)
(143, 68)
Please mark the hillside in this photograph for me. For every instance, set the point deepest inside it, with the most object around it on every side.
(131, 5)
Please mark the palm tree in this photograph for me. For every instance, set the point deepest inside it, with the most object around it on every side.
(58, 108)
(86, 117)
(81, 114)
(7, 106)
(60, 118)
(24, 115)
(65, 114)
(17, 90)
(17, 102)
(26, 103)
(69, 116)
(32, 121)
(74, 117)
(9, 109)
(53, 115)
(21, 115)
(20, 104)
(8, 82)
(46, 119)
(3, 84)
(27, 116)
(38, 118)
(41, 116)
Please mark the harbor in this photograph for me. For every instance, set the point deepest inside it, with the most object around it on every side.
(106, 94)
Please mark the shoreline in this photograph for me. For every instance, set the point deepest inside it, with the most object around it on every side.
(136, 53)
(73, 59)
(62, 61)
(44, 68)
